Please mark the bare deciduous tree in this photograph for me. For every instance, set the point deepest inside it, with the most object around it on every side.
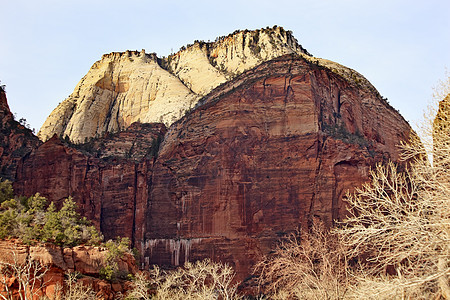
(140, 288)
(74, 289)
(21, 278)
(399, 227)
(309, 265)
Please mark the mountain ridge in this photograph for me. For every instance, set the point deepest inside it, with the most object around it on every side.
(133, 86)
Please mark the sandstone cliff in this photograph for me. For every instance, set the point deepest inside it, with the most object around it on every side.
(15, 140)
(107, 177)
(262, 155)
(259, 156)
(203, 66)
(123, 88)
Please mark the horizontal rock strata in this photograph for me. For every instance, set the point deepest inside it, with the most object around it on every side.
(261, 156)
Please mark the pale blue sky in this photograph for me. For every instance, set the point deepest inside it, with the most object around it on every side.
(46, 47)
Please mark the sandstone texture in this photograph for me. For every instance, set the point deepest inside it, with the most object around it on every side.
(57, 261)
(263, 155)
(203, 66)
(259, 156)
(16, 140)
(132, 86)
(108, 177)
(118, 90)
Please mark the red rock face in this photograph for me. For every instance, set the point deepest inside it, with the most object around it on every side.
(263, 155)
(16, 141)
(107, 177)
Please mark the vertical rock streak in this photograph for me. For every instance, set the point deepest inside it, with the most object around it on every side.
(176, 248)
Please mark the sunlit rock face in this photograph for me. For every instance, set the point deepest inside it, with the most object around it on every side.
(260, 156)
(203, 66)
(132, 86)
(118, 90)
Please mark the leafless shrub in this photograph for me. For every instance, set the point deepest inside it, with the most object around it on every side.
(309, 265)
(140, 288)
(199, 280)
(75, 290)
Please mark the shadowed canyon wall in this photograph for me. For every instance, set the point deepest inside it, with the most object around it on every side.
(16, 141)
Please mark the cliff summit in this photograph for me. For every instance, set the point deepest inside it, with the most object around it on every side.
(131, 86)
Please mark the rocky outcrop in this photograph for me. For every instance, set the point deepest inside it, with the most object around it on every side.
(132, 86)
(261, 155)
(203, 66)
(108, 177)
(57, 262)
(16, 140)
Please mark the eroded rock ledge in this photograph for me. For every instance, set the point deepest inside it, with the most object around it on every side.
(58, 261)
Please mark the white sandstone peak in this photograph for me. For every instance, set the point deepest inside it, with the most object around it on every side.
(130, 86)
